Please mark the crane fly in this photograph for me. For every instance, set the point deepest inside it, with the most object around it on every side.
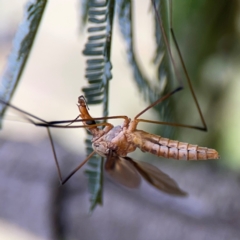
(115, 143)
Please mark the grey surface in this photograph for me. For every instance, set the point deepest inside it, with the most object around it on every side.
(31, 198)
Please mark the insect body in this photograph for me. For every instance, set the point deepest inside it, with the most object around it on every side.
(115, 143)
(123, 140)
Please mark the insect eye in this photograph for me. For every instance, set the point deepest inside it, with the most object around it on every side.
(90, 122)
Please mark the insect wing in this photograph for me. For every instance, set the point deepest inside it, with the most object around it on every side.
(122, 171)
(157, 178)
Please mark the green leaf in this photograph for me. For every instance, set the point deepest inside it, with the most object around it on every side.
(22, 46)
(95, 177)
(98, 74)
(163, 83)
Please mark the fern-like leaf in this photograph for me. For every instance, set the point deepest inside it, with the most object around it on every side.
(98, 73)
(95, 177)
(22, 46)
(163, 83)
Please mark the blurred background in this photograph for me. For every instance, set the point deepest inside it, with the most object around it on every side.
(35, 207)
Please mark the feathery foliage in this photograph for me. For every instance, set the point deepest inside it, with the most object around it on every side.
(99, 15)
(151, 89)
(98, 72)
(22, 46)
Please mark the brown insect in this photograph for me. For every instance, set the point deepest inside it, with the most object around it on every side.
(114, 143)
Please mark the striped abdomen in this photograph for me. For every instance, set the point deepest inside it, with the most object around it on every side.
(167, 148)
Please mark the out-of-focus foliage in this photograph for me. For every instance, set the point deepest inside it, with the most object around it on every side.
(208, 35)
(98, 71)
(22, 46)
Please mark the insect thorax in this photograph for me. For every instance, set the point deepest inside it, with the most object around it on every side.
(116, 141)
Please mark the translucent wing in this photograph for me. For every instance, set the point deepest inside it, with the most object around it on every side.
(156, 177)
(122, 171)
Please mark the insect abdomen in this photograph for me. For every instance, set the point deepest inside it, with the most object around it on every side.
(168, 148)
(179, 150)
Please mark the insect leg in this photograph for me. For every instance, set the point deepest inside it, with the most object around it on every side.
(204, 128)
(185, 69)
(42, 123)
(77, 168)
(55, 156)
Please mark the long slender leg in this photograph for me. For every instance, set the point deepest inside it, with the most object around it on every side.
(77, 168)
(56, 124)
(55, 156)
(84, 120)
(157, 102)
(42, 123)
(204, 128)
(74, 120)
(165, 123)
(23, 112)
(169, 52)
(185, 69)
